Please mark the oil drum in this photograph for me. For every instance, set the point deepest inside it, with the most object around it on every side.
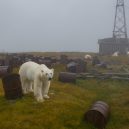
(98, 114)
(67, 77)
(12, 86)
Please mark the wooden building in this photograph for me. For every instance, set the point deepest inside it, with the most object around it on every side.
(108, 46)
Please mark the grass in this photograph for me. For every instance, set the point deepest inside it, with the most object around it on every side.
(115, 93)
(67, 105)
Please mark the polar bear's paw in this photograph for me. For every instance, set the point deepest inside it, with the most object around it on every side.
(25, 91)
(46, 97)
(40, 99)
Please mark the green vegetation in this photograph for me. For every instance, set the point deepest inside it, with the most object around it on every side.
(67, 105)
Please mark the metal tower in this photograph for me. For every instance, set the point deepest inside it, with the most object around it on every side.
(120, 29)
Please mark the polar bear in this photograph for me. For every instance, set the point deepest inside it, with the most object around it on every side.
(88, 57)
(36, 77)
(115, 53)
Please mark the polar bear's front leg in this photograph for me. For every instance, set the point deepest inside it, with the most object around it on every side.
(38, 90)
(31, 89)
(46, 87)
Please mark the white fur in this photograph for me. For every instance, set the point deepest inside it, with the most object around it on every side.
(127, 52)
(88, 57)
(115, 53)
(35, 77)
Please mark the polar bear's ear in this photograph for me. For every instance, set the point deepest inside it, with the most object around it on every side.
(52, 70)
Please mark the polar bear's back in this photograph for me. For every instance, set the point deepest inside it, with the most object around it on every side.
(28, 69)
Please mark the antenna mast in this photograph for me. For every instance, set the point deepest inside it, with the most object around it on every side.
(120, 29)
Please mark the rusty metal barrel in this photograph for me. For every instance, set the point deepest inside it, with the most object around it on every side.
(4, 70)
(67, 77)
(98, 114)
(12, 86)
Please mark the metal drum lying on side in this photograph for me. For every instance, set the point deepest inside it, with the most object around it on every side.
(98, 114)
(67, 77)
(12, 86)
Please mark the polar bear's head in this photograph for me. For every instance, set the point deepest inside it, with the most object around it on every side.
(46, 72)
(49, 74)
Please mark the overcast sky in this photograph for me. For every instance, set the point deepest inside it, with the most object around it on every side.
(56, 25)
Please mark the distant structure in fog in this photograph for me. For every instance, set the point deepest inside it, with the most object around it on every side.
(119, 41)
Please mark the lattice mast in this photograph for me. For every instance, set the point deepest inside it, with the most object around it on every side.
(120, 28)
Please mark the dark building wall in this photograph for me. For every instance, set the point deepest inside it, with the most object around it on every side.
(110, 45)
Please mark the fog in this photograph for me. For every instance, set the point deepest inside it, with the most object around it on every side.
(56, 25)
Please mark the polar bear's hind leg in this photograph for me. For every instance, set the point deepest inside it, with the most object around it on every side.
(23, 83)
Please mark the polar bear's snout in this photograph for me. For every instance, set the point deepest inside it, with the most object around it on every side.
(49, 79)
(49, 75)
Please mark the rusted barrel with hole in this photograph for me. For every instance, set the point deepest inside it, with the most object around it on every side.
(98, 114)
(12, 86)
(67, 77)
